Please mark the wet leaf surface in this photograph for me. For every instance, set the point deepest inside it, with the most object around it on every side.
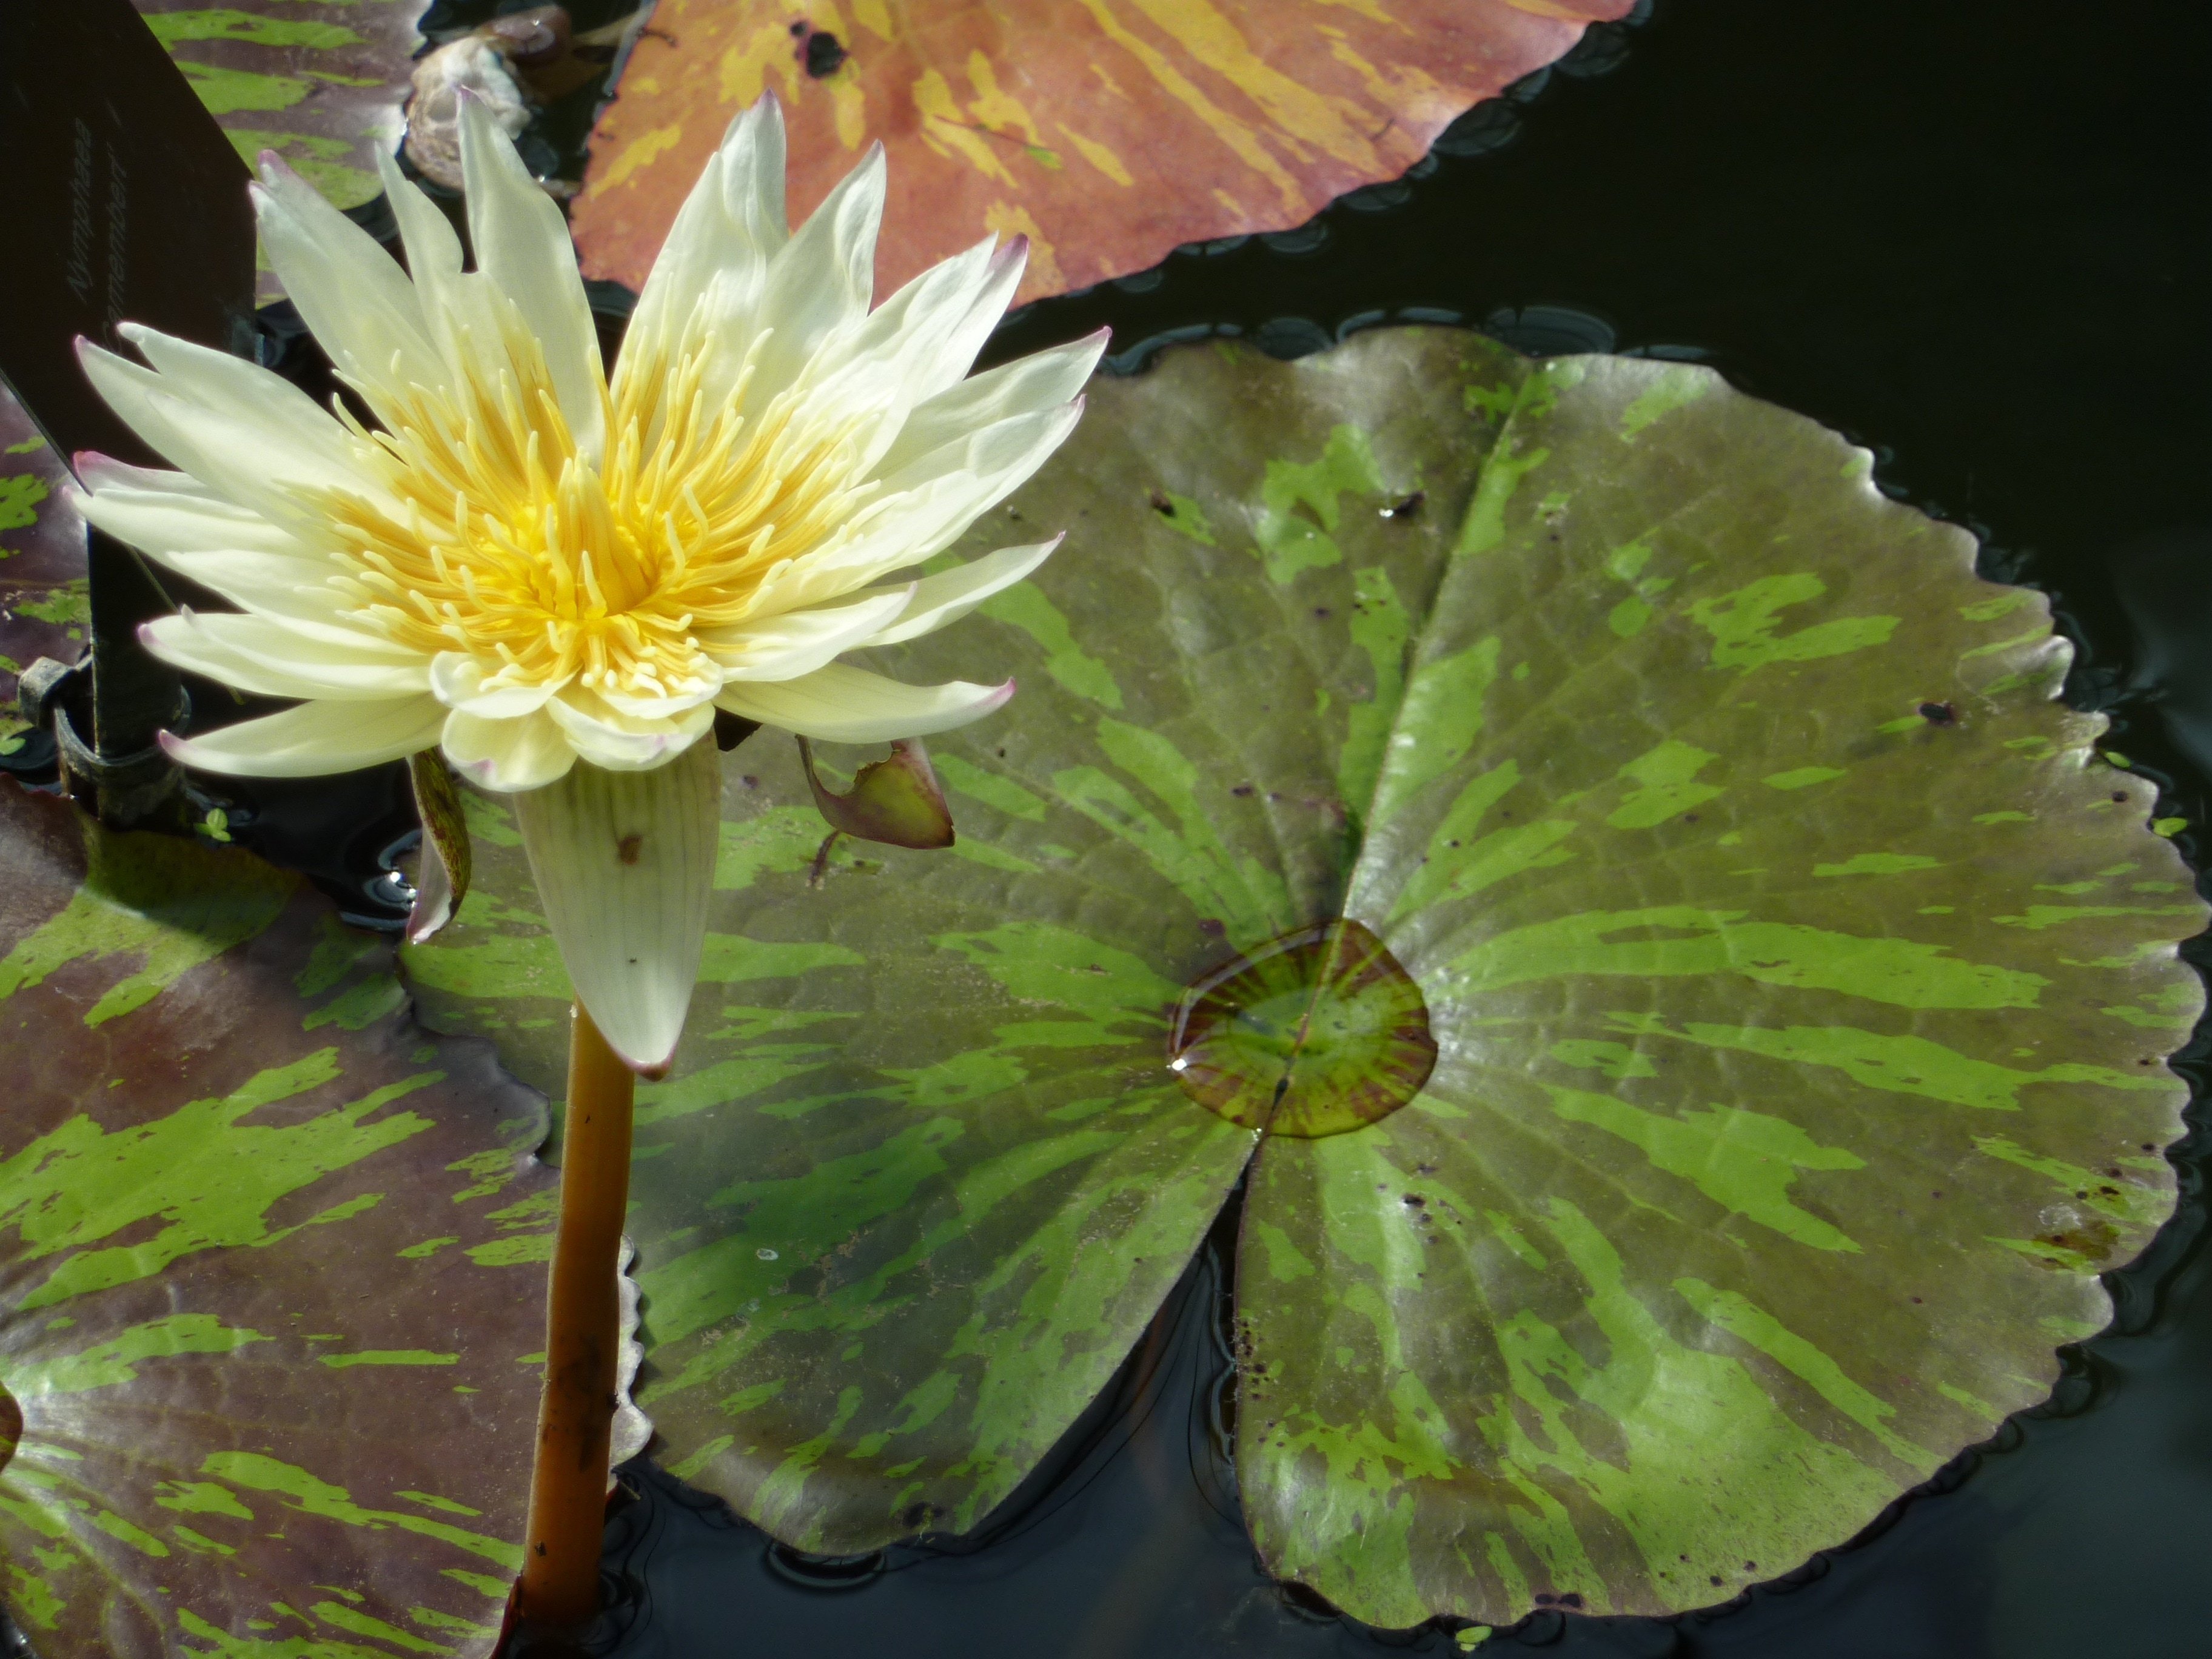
(1801, 983)
(1107, 132)
(319, 82)
(270, 1257)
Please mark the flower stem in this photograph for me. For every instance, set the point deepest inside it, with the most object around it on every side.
(583, 1339)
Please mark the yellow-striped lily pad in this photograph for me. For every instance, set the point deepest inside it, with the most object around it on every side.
(1774, 1056)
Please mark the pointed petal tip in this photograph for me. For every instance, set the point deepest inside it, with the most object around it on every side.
(277, 174)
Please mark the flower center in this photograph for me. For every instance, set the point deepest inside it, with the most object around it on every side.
(502, 541)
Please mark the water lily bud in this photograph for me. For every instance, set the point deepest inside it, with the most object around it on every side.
(897, 801)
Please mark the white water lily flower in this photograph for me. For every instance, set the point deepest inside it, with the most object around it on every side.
(560, 580)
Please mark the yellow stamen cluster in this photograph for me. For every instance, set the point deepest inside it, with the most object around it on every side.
(510, 546)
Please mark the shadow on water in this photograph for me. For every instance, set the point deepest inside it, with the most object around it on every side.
(1971, 234)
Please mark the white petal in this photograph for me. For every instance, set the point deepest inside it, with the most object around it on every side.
(293, 438)
(800, 642)
(985, 312)
(98, 472)
(952, 594)
(624, 864)
(821, 279)
(993, 459)
(297, 592)
(314, 740)
(465, 311)
(844, 704)
(987, 297)
(657, 711)
(352, 294)
(709, 272)
(458, 681)
(525, 752)
(617, 742)
(269, 659)
(1041, 381)
(280, 590)
(259, 464)
(924, 509)
(753, 164)
(434, 252)
(161, 522)
(901, 339)
(522, 243)
(870, 374)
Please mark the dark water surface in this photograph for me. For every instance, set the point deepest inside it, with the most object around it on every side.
(1975, 237)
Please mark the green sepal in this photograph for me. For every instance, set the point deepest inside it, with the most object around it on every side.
(896, 800)
(442, 881)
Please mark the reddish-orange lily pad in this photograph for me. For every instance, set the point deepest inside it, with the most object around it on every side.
(1107, 132)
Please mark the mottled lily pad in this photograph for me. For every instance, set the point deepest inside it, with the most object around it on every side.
(322, 82)
(1107, 132)
(271, 1258)
(1800, 979)
(45, 606)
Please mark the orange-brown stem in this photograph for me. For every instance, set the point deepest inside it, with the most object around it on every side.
(583, 1339)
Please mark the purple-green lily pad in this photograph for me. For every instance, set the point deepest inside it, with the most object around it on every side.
(45, 606)
(271, 1258)
(1799, 982)
(321, 82)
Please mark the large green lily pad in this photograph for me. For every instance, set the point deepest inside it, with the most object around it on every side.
(1801, 983)
(270, 1260)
